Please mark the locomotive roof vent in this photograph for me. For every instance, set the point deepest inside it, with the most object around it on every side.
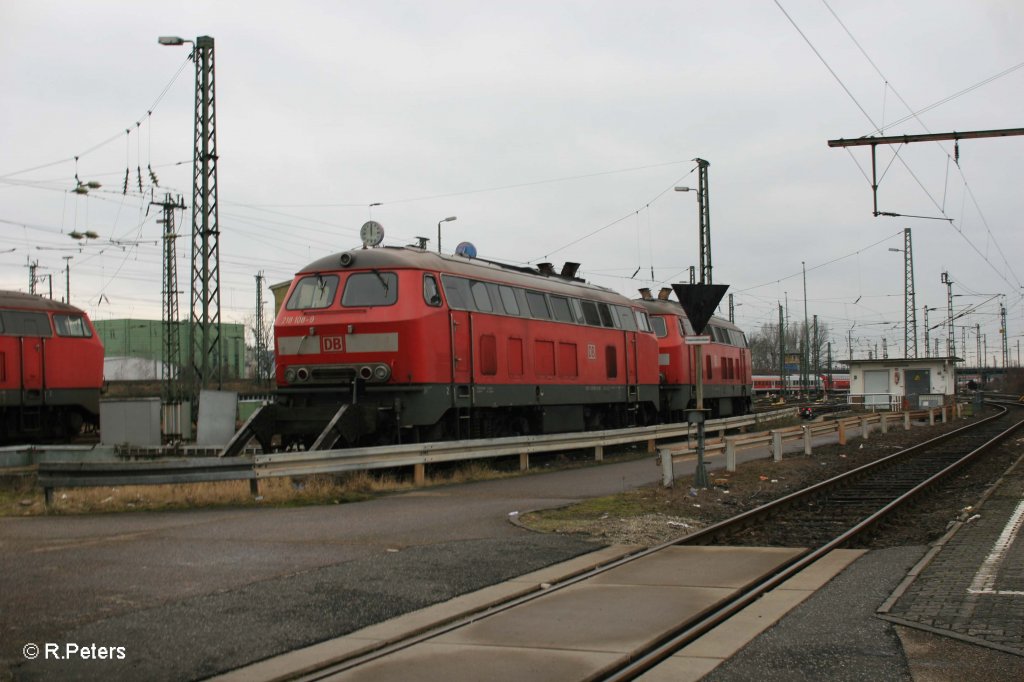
(546, 268)
(664, 293)
(569, 269)
(645, 294)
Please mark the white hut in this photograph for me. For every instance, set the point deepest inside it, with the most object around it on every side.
(902, 383)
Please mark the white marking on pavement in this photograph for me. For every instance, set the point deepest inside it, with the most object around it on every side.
(985, 578)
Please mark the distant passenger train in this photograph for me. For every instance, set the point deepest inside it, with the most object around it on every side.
(769, 383)
(51, 369)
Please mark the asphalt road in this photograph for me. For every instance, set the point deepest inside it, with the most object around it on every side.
(190, 594)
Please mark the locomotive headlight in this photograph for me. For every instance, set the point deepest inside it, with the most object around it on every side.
(366, 372)
(381, 372)
(289, 375)
(302, 374)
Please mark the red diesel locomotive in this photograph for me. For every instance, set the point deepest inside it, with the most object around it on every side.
(51, 368)
(727, 373)
(421, 346)
(400, 344)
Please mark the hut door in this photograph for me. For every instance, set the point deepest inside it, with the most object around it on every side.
(919, 382)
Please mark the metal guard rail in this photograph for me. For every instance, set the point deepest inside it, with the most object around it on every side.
(209, 469)
(777, 438)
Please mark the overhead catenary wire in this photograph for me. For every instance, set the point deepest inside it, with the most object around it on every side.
(876, 127)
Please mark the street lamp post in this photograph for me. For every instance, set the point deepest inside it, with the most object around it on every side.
(443, 220)
(67, 279)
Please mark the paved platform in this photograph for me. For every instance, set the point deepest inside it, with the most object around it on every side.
(970, 585)
(578, 631)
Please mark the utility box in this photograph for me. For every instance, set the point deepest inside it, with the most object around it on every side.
(132, 422)
(218, 412)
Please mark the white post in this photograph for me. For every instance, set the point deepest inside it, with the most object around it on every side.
(776, 446)
(807, 440)
(666, 468)
(906, 421)
(865, 428)
(730, 454)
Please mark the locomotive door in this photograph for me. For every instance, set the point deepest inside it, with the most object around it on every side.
(632, 379)
(31, 328)
(461, 352)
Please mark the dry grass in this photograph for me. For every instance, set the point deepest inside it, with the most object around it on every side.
(20, 497)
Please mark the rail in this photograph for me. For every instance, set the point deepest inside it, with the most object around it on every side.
(53, 475)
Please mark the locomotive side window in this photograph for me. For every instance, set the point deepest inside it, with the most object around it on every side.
(590, 314)
(456, 290)
(658, 324)
(314, 291)
(368, 289)
(71, 325)
(508, 300)
(577, 310)
(480, 297)
(560, 306)
(685, 328)
(430, 292)
(538, 305)
(22, 323)
(606, 315)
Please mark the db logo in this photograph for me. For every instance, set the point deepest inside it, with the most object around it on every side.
(331, 344)
(591, 351)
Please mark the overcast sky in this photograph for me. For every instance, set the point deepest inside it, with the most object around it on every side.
(536, 124)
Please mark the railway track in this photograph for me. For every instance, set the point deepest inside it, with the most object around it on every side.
(818, 519)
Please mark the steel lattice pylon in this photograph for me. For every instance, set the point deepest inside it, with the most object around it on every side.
(909, 304)
(704, 206)
(205, 356)
(171, 341)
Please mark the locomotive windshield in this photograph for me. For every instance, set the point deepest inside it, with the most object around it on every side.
(71, 325)
(314, 291)
(366, 289)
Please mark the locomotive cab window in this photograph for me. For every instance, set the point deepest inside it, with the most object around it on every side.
(369, 289)
(456, 290)
(481, 300)
(643, 322)
(430, 292)
(71, 325)
(625, 318)
(606, 315)
(23, 323)
(658, 324)
(314, 291)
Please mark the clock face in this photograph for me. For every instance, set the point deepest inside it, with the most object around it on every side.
(372, 233)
